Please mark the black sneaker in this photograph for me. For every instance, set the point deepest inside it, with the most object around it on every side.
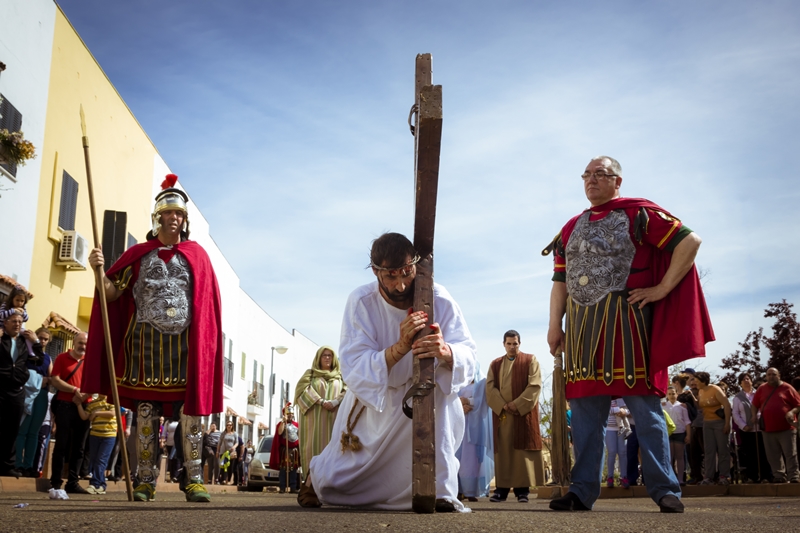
(75, 489)
(496, 498)
(13, 472)
(568, 502)
(522, 499)
(670, 504)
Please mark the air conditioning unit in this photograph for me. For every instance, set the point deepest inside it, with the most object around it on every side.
(73, 251)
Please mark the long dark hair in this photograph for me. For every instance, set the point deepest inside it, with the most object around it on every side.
(9, 301)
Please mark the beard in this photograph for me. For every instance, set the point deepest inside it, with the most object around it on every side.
(397, 297)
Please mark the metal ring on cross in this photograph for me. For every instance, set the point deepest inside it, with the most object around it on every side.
(417, 389)
(414, 109)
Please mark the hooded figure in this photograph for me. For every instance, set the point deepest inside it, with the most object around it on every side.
(476, 453)
(318, 394)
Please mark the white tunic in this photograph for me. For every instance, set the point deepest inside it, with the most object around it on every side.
(379, 475)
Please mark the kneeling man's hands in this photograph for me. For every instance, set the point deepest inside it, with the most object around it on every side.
(411, 324)
(433, 345)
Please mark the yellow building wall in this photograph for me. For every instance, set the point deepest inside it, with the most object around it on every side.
(122, 162)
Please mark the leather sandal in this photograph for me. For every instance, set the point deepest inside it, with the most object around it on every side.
(307, 497)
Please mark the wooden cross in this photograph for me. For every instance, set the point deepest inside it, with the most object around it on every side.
(427, 143)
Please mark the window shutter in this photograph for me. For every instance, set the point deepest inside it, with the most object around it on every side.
(131, 241)
(114, 236)
(11, 120)
(69, 203)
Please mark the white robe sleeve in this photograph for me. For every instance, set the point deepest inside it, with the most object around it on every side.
(362, 360)
(456, 334)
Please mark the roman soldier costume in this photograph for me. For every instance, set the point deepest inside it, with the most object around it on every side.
(166, 333)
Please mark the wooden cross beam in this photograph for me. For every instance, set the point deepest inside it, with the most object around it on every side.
(427, 145)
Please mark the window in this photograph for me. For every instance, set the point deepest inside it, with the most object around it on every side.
(227, 372)
(131, 241)
(262, 375)
(60, 341)
(114, 236)
(244, 362)
(69, 203)
(11, 120)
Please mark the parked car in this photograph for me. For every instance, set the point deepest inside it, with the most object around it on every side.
(261, 475)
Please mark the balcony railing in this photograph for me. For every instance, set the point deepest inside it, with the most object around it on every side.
(227, 372)
(256, 396)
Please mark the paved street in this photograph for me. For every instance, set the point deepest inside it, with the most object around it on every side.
(276, 512)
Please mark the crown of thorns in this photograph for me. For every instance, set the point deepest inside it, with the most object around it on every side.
(410, 263)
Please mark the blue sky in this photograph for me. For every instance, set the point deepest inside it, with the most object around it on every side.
(286, 122)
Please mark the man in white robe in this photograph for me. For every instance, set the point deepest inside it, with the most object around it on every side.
(377, 364)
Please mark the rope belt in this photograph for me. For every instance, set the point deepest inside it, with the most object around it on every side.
(350, 441)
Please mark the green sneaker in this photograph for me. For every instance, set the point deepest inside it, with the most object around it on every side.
(196, 492)
(145, 492)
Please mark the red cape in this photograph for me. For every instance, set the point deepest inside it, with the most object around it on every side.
(277, 442)
(204, 368)
(681, 324)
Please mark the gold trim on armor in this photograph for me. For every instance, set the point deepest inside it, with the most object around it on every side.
(122, 279)
(585, 326)
(120, 383)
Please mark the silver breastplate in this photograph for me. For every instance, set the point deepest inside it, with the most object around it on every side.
(599, 257)
(163, 293)
(291, 432)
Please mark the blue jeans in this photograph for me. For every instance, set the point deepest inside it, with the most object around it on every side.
(99, 452)
(632, 452)
(589, 418)
(294, 480)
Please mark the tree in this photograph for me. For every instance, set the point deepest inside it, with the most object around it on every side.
(783, 347)
(545, 415)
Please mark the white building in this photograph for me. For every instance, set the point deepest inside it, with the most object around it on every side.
(26, 45)
(52, 71)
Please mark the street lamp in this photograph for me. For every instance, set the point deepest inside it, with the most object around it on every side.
(281, 350)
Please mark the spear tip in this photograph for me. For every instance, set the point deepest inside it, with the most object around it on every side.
(83, 122)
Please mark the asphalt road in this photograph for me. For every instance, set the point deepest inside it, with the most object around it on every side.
(244, 512)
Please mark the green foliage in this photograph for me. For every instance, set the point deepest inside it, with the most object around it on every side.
(783, 347)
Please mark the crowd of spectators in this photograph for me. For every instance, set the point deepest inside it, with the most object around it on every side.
(749, 437)
(41, 399)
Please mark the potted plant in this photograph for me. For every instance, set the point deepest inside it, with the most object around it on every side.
(14, 148)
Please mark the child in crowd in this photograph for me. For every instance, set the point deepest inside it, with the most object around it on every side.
(17, 300)
(617, 431)
(102, 436)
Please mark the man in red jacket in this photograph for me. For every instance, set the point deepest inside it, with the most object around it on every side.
(166, 331)
(626, 281)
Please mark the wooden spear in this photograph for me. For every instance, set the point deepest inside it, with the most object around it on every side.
(559, 452)
(98, 277)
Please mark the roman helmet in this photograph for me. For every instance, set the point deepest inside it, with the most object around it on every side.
(168, 199)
